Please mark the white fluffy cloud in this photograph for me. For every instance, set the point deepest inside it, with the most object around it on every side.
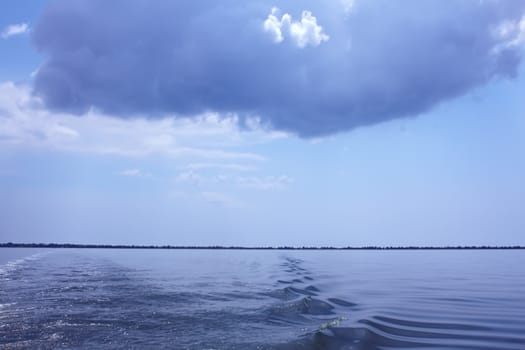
(512, 32)
(306, 32)
(15, 29)
(25, 124)
(273, 25)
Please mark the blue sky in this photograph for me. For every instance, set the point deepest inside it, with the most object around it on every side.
(268, 123)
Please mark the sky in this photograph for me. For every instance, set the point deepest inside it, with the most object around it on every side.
(262, 123)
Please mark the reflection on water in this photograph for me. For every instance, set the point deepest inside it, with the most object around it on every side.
(263, 299)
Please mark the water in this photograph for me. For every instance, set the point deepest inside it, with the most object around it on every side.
(200, 299)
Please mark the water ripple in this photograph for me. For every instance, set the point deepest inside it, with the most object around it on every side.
(194, 300)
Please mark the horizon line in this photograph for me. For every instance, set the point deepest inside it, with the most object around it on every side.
(232, 247)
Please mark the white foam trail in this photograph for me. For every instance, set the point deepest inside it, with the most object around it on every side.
(15, 264)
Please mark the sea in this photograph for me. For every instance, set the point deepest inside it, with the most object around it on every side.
(261, 299)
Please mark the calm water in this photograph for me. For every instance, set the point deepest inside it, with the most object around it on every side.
(262, 299)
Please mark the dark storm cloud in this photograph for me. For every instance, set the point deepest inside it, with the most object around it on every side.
(379, 61)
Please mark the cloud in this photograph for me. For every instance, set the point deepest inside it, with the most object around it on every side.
(130, 172)
(133, 173)
(189, 177)
(210, 138)
(15, 29)
(256, 182)
(511, 33)
(307, 32)
(273, 25)
(348, 5)
(304, 33)
(137, 57)
(264, 183)
(219, 166)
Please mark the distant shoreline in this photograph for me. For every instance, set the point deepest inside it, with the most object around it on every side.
(121, 246)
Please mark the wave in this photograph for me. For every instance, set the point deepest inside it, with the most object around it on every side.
(15, 264)
(347, 329)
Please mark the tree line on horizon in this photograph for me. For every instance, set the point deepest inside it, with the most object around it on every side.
(125, 246)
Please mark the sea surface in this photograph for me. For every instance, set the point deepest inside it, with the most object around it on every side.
(238, 299)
